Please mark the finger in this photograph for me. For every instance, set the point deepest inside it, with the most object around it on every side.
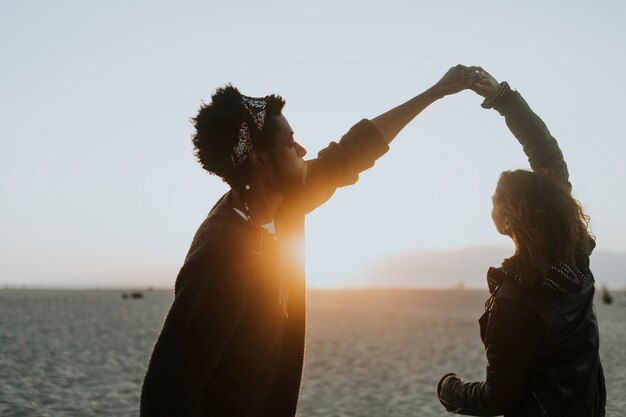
(481, 71)
(473, 76)
(483, 83)
(484, 73)
(479, 87)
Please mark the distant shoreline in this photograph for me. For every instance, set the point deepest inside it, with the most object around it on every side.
(315, 289)
(321, 289)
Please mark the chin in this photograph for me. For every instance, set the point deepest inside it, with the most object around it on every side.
(303, 173)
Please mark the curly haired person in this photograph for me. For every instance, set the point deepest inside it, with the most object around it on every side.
(233, 341)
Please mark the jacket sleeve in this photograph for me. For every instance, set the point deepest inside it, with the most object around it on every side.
(203, 317)
(512, 336)
(339, 164)
(532, 133)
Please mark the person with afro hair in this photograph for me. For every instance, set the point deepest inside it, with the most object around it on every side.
(232, 343)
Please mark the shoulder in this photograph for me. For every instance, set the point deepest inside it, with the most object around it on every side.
(512, 290)
(216, 251)
(515, 313)
(219, 232)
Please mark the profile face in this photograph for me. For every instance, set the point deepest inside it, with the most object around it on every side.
(287, 163)
(496, 215)
(495, 210)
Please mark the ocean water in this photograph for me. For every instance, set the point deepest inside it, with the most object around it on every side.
(369, 352)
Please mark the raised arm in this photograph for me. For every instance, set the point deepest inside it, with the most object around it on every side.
(532, 133)
(339, 164)
(390, 123)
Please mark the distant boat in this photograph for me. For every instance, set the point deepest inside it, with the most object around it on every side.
(135, 295)
(607, 298)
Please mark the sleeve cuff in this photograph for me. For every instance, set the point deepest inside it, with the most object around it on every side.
(503, 95)
(363, 144)
(446, 392)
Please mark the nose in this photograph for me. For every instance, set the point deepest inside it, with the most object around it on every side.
(300, 149)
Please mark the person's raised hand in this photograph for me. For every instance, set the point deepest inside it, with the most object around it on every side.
(458, 78)
(486, 85)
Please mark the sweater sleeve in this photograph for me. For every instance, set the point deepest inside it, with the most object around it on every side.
(202, 319)
(532, 133)
(512, 336)
(339, 164)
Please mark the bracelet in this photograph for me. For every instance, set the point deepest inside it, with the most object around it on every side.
(488, 103)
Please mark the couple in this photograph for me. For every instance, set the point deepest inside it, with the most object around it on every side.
(233, 341)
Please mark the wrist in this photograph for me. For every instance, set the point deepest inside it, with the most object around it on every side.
(491, 101)
(435, 92)
(446, 392)
(491, 92)
(444, 379)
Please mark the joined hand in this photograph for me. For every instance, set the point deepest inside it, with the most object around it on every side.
(458, 78)
(486, 85)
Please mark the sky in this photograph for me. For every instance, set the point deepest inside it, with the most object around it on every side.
(99, 186)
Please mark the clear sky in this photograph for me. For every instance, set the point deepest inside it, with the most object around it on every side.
(98, 184)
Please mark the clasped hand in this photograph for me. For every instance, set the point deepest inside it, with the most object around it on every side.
(460, 77)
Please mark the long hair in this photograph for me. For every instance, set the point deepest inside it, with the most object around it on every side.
(545, 221)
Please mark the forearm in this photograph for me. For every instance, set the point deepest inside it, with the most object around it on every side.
(390, 123)
(511, 339)
(339, 164)
(539, 145)
(468, 398)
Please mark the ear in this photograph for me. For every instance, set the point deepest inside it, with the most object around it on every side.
(258, 160)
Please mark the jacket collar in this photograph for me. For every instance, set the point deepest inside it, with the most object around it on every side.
(562, 278)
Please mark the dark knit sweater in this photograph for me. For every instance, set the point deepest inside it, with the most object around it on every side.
(229, 346)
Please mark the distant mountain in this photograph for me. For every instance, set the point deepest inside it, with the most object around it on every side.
(468, 267)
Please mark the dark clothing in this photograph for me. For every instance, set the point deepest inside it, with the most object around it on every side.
(541, 344)
(233, 341)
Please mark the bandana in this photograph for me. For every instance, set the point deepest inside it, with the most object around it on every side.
(256, 107)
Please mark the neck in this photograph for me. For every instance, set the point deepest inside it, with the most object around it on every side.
(262, 202)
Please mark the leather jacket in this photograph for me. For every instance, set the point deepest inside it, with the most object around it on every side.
(542, 353)
(541, 344)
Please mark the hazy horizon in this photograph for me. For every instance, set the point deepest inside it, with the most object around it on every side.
(411, 269)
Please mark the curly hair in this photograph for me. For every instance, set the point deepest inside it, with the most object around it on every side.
(545, 221)
(217, 127)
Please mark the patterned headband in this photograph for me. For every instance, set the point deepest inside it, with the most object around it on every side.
(256, 108)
